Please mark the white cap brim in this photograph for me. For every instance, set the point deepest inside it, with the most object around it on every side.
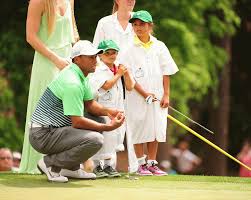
(89, 53)
(85, 48)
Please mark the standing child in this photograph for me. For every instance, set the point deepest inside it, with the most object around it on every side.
(106, 82)
(151, 64)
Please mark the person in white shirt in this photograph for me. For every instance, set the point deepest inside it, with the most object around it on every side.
(106, 83)
(186, 161)
(116, 27)
(151, 64)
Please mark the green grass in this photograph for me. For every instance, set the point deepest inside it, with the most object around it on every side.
(26, 187)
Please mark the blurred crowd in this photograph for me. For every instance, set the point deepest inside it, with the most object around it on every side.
(9, 161)
(184, 161)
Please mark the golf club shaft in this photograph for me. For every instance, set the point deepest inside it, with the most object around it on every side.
(207, 141)
(191, 120)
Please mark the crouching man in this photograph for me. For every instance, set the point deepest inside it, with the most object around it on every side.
(60, 130)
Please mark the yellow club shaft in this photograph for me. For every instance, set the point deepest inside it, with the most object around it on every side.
(207, 141)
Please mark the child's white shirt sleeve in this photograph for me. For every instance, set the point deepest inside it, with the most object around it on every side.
(166, 61)
(97, 80)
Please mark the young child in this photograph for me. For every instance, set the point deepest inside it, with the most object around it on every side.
(107, 84)
(151, 64)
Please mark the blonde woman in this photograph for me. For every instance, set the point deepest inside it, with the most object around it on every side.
(116, 27)
(50, 30)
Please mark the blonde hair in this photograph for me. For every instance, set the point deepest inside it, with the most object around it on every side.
(50, 11)
(115, 7)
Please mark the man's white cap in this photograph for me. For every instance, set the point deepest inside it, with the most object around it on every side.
(84, 47)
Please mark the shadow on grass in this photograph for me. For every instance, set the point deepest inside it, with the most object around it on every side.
(40, 181)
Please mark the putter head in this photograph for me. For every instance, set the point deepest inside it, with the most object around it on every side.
(150, 99)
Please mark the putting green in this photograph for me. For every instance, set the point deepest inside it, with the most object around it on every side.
(26, 187)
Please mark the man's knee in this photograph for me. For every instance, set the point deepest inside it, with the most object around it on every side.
(97, 139)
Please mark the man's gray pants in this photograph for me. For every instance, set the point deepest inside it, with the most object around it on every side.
(65, 147)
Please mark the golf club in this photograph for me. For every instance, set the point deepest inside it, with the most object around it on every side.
(189, 119)
(150, 99)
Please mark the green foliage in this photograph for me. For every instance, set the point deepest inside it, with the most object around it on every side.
(225, 21)
(10, 135)
(15, 59)
(6, 96)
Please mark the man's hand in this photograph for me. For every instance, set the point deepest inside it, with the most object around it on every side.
(116, 122)
(112, 113)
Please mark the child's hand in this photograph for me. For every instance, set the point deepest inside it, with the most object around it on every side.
(164, 102)
(122, 70)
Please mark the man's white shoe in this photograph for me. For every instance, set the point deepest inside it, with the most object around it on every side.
(79, 174)
(52, 176)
